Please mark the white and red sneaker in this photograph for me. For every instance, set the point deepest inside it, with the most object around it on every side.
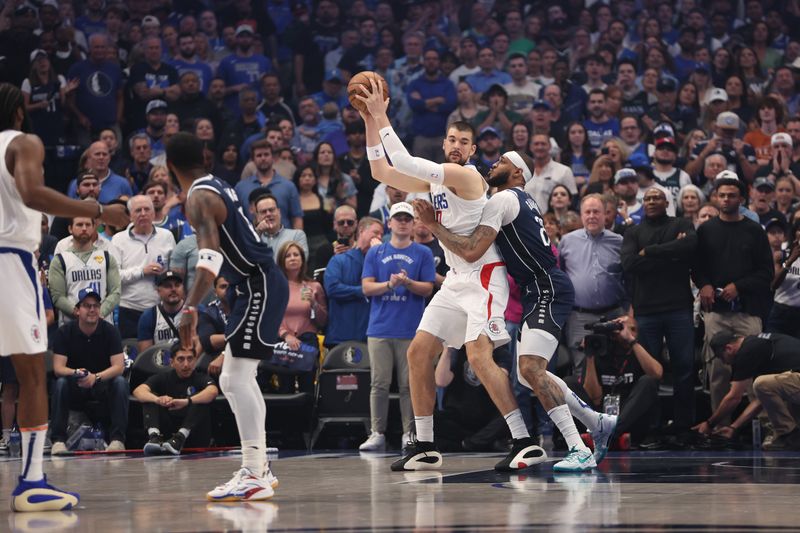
(244, 486)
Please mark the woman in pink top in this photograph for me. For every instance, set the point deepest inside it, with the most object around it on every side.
(307, 311)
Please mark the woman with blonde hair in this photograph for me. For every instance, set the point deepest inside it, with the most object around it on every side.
(618, 152)
(600, 179)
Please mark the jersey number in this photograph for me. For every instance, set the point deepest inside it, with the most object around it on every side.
(542, 233)
(438, 215)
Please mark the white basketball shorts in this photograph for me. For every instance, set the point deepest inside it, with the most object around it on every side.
(469, 304)
(23, 326)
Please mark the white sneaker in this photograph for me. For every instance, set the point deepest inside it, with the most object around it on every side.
(576, 461)
(375, 442)
(59, 448)
(113, 446)
(605, 430)
(272, 479)
(3, 445)
(244, 486)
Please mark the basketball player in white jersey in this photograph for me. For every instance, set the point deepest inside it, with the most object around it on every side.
(512, 220)
(23, 332)
(468, 310)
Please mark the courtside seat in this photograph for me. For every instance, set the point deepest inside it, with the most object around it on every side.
(342, 391)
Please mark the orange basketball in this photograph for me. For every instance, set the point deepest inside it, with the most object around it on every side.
(362, 78)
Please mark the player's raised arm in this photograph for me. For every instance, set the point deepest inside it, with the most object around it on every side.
(405, 167)
(468, 247)
(206, 212)
(380, 167)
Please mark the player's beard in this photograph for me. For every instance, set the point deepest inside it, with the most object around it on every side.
(498, 178)
(662, 161)
(455, 157)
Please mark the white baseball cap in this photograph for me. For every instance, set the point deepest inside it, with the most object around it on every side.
(401, 207)
(781, 138)
(727, 175)
(717, 95)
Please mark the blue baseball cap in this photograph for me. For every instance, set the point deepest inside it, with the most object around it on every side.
(88, 292)
(542, 104)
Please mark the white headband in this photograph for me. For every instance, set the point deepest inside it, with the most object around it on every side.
(516, 159)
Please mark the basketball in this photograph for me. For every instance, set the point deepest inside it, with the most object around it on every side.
(362, 78)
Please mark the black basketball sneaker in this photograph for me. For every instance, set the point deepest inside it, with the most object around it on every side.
(419, 455)
(524, 453)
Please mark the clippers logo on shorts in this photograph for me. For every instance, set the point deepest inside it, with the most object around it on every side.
(36, 334)
(252, 318)
(494, 327)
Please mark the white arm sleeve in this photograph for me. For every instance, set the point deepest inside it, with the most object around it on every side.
(501, 209)
(402, 161)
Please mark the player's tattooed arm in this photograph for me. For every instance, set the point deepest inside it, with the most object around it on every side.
(469, 247)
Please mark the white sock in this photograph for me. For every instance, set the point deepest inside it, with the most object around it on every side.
(562, 418)
(516, 424)
(253, 453)
(185, 432)
(238, 383)
(588, 416)
(32, 452)
(6, 434)
(153, 431)
(424, 428)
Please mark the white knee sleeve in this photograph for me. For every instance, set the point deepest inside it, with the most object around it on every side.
(409, 165)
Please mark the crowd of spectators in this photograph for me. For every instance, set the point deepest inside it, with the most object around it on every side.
(665, 137)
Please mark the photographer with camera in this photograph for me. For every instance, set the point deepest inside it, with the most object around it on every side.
(656, 256)
(621, 376)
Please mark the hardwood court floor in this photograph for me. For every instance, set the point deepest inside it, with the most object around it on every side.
(350, 492)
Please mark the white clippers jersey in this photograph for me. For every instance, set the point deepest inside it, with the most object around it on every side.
(20, 226)
(461, 217)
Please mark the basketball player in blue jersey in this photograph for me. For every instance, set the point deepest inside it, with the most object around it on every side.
(469, 308)
(511, 219)
(23, 331)
(228, 245)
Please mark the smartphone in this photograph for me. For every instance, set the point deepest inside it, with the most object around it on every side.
(344, 241)
(604, 150)
(780, 158)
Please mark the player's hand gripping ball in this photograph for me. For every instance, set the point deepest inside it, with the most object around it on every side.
(355, 87)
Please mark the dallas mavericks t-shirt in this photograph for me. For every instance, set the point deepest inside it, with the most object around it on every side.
(396, 314)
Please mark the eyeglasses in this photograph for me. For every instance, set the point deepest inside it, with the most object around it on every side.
(346, 222)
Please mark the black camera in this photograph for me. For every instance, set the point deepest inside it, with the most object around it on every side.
(597, 342)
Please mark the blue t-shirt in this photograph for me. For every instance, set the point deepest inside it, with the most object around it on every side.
(236, 70)
(282, 189)
(203, 71)
(112, 188)
(96, 95)
(599, 132)
(396, 314)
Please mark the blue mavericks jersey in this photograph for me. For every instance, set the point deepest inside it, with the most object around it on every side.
(524, 243)
(245, 254)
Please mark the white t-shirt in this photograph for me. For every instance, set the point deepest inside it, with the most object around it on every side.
(552, 174)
